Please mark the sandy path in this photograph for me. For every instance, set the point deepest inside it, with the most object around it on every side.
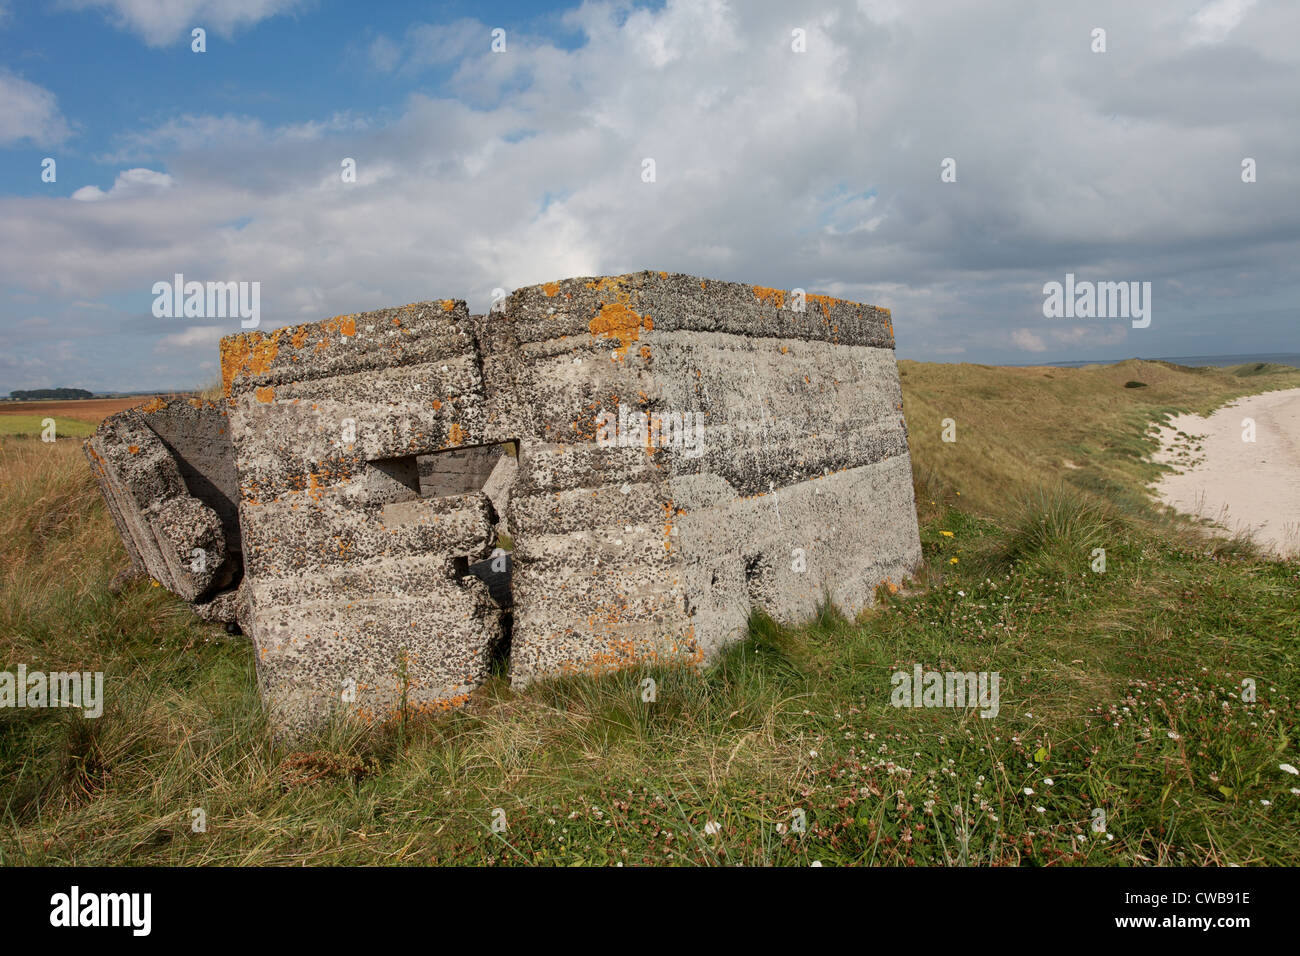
(1242, 486)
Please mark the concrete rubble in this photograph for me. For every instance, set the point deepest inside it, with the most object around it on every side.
(664, 454)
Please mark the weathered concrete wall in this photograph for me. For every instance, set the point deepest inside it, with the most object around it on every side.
(668, 453)
(357, 584)
(798, 489)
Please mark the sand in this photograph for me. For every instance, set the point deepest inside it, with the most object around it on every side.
(1241, 486)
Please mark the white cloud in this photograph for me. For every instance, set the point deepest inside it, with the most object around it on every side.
(159, 22)
(29, 112)
(818, 170)
(1092, 332)
(1213, 22)
(1028, 340)
(192, 337)
(129, 183)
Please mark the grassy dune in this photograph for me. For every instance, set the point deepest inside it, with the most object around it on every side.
(1121, 691)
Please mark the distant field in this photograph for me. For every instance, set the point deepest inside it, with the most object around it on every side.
(32, 426)
(92, 411)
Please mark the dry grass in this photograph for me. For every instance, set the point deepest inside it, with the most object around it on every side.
(1019, 429)
(1123, 688)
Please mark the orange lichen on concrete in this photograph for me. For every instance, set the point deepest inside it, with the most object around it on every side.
(551, 289)
(455, 434)
(134, 449)
(250, 352)
(265, 394)
(765, 294)
(621, 654)
(314, 484)
(154, 405)
(448, 304)
(342, 324)
(616, 321)
(825, 301)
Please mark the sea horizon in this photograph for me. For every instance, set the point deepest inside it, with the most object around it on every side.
(1193, 361)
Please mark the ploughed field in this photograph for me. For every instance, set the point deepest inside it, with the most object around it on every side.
(89, 410)
(73, 419)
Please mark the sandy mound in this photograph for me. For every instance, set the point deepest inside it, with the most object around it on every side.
(1240, 485)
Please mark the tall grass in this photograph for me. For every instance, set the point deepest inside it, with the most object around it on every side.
(1122, 688)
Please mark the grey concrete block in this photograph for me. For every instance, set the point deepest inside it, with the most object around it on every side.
(791, 485)
(356, 562)
(767, 466)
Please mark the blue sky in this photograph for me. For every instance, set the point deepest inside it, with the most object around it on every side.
(480, 170)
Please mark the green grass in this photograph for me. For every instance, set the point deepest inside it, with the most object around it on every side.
(33, 426)
(1121, 688)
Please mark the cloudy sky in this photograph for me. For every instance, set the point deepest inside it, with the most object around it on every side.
(477, 169)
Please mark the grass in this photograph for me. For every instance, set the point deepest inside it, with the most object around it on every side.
(1121, 691)
(1018, 429)
(33, 426)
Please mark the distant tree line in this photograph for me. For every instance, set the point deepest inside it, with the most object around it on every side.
(32, 394)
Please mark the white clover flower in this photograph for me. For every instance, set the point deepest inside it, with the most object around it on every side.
(1288, 768)
(712, 827)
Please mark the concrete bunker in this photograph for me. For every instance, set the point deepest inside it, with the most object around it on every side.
(665, 452)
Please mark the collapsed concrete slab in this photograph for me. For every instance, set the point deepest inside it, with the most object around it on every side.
(668, 453)
(166, 473)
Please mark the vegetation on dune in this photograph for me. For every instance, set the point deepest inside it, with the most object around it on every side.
(1121, 691)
